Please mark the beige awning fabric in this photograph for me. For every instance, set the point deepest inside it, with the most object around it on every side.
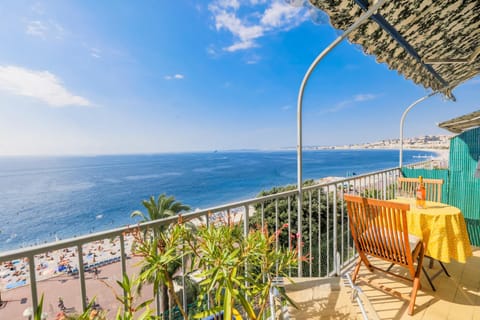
(463, 123)
(442, 36)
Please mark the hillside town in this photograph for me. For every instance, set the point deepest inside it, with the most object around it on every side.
(437, 142)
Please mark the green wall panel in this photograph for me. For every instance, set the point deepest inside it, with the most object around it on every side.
(464, 190)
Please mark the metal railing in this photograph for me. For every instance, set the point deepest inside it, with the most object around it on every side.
(325, 230)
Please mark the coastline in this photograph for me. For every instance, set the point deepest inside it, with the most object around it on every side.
(104, 254)
(15, 274)
(441, 153)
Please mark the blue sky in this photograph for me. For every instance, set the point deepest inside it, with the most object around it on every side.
(115, 77)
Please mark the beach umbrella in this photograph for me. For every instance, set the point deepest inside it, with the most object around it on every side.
(28, 313)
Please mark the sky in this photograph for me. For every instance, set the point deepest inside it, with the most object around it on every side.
(123, 77)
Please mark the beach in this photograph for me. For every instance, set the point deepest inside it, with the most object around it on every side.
(68, 288)
(57, 274)
(57, 271)
(15, 273)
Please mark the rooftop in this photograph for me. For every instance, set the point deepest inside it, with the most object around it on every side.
(462, 123)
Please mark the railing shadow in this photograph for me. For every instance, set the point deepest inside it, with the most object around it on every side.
(318, 298)
(460, 289)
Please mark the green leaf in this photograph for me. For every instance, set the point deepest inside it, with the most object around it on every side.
(247, 306)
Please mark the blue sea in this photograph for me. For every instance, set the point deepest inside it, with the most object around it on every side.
(45, 198)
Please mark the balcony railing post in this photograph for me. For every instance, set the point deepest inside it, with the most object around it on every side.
(335, 232)
(81, 275)
(328, 228)
(123, 262)
(319, 192)
(246, 228)
(33, 282)
(310, 232)
(364, 17)
(289, 221)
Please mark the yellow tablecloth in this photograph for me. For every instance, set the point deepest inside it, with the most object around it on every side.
(443, 229)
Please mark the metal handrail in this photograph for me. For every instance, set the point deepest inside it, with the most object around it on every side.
(378, 180)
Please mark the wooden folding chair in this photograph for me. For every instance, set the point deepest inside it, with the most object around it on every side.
(407, 187)
(379, 229)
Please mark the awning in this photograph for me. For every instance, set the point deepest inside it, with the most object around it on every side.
(433, 43)
(463, 123)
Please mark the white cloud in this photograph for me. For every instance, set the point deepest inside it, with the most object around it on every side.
(95, 53)
(253, 59)
(36, 28)
(40, 85)
(38, 9)
(364, 97)
(177, 76)
(246, 26)
(43, 29)
(244, 33)
(241, 46)
(281, 15)
(358, 98)
(211, 51)
(234, 4)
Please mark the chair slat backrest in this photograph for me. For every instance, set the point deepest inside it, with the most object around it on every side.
(379, 229)
(407, 187)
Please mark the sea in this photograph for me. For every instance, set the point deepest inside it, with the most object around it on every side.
(43, 199)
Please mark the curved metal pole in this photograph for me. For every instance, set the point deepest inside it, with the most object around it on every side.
(402, 122)
(402, 119)
(360, 20)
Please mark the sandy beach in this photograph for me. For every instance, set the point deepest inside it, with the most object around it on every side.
(68, 288)
(15, 273)
(57, 275)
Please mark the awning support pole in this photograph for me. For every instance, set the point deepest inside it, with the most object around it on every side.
(364, 17)
(402, 119)
(402, 122)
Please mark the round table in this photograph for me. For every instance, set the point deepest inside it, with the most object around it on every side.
(442, 228)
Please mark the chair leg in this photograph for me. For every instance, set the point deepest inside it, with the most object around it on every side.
(416, 281)
(444, 268)
(441, 265)
(413, 296)
(357, 268)
(428, 279)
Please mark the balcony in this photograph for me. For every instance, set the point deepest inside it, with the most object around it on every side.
(319, 287)
(456, 297)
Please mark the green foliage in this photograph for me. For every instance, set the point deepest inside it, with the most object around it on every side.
(39, 312)
(163, 207)
(90, 313)
(129, 309)
(238, 271)
(379, 194)
(280, 212)
(162, 257)
(317, 219)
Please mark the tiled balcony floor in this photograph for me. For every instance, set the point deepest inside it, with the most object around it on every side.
(457, 297)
